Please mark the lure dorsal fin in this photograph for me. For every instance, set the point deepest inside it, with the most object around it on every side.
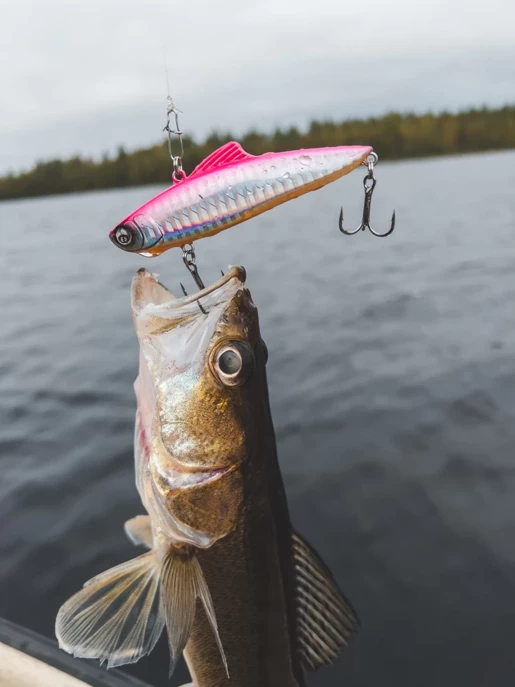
(325, 619)
(228, 154)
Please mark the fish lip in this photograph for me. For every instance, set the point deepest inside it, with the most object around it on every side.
(235, 272)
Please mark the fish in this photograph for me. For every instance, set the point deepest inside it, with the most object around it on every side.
(229, 187)
(243, 596)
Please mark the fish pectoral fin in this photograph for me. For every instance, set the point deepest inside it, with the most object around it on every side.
(117, 617)
(139, 530)
(325, 619)
(182, 582)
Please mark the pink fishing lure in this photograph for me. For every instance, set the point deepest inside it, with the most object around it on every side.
(229, 187)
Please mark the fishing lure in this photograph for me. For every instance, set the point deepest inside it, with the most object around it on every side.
(229, 187)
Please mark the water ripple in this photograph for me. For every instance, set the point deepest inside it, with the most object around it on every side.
(392, 382)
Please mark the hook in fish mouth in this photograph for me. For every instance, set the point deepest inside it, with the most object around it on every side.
(156, 310)
(236, 272)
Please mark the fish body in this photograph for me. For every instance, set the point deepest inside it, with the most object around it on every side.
(227, 188)
(240, 593)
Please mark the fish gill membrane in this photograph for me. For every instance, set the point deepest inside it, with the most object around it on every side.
(201, 384)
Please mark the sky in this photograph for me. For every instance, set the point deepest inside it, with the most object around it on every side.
(86, 77)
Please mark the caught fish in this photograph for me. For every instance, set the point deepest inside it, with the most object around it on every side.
(229, 187)
(246, 599)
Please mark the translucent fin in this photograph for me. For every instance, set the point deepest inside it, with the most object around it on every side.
(228, 154)
(139, 531)
(182, 582)
(205, 596)
(117, 617)
(145, 397)
(325, 619)
(179, 597)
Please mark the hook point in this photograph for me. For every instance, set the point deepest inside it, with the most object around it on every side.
(340, 221)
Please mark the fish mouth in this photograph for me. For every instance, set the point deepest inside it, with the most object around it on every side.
(237, 272)
(149, 297)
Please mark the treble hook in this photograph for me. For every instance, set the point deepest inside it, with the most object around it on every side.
(369, 189)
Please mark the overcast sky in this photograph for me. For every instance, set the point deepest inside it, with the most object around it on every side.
(85, 77)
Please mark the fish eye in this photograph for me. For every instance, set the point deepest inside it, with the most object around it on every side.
(265, 351)
(233, 363)
(229, 363)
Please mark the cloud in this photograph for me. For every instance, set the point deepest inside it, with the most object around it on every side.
(85, 77)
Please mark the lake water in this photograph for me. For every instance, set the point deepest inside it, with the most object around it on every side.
(392, 382)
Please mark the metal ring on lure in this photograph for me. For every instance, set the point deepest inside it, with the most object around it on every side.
(179, 175)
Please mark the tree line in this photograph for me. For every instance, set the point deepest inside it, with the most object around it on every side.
(394, 136)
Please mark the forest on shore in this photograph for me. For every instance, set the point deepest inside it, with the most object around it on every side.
(394, 136)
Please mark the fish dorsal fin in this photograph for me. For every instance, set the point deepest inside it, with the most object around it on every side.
(325, 619)
(228, 154)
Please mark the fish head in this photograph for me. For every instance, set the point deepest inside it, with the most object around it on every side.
(200, 384)
(137, 233)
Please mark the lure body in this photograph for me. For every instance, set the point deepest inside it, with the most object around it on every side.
(227, 188)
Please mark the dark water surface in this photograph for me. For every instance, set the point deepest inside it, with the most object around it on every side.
(392, 381)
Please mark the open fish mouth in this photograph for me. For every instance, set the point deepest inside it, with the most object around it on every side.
(154, 305)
